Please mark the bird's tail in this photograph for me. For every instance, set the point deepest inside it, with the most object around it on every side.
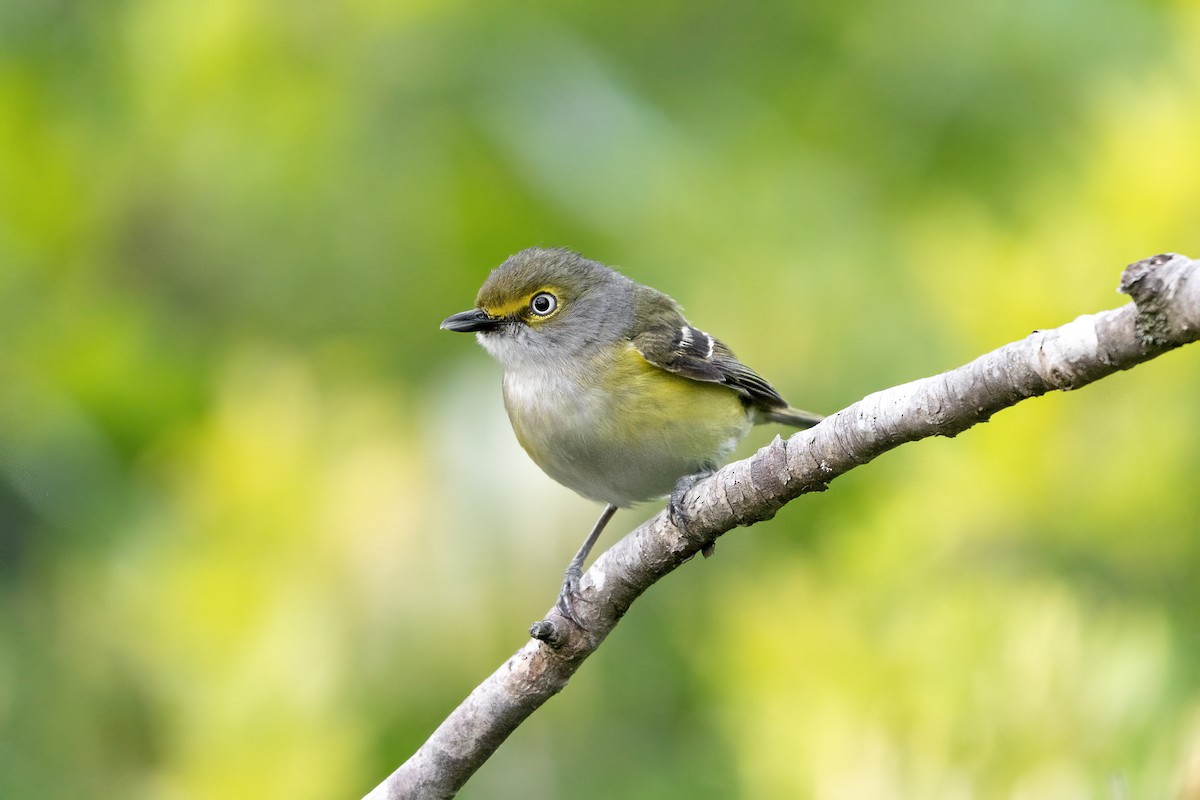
(791, 416)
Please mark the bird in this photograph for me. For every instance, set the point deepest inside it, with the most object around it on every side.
(608, 387)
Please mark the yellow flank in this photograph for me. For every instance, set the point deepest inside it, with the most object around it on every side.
(519, 304)
(654, 394)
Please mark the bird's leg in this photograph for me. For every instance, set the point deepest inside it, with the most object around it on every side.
(570, 586)
(675, 504)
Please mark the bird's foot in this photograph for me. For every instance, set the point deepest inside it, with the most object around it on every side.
(675, 512)
(569, 594)
(552, 631)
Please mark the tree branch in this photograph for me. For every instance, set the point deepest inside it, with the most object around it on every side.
(1165, 314)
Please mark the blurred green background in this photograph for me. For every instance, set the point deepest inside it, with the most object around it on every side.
(262, 525)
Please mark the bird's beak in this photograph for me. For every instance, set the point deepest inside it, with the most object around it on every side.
(474, 320)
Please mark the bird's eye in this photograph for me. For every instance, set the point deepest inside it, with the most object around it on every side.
(543, 303)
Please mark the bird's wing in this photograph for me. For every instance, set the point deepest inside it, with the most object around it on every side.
(669, 342)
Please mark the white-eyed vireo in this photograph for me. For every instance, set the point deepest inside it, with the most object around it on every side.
(609, 389)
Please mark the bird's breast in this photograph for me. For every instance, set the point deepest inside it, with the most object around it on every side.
(619, 430)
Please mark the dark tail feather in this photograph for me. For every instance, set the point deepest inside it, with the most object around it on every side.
(791, 416)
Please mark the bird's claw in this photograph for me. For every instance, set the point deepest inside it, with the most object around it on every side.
(675, 512)
(568, 595)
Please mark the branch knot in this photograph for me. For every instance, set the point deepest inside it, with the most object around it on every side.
(1153, 283)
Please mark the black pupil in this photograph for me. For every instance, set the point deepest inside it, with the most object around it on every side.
(542, 303)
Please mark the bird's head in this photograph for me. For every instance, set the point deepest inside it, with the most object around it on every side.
(542, 305)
